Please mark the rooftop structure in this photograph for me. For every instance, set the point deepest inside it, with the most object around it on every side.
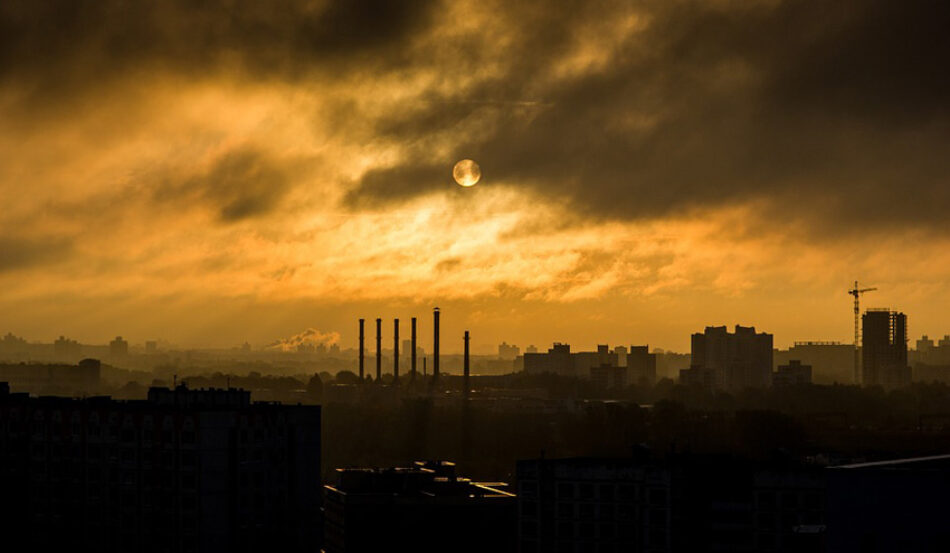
(422, 507)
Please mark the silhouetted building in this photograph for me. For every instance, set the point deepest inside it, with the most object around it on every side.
(789, 510)
(118, 347)
(898, 505)
(531, 349)
(151, 346)
(508, 351)
(422, 508)
(884, 348)
(609, 377)
(561, 361)
(557, 360)
(830, 362)
(792, 374)
(698, 376)
(739, 360)
(66, 349)
(930, 361)
(681, 504)
(593, 505)
(37, 378)
(621, 353)
(184, 470)
(584, 361)
(641, 365)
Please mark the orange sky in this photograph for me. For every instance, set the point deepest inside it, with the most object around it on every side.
(632, 192)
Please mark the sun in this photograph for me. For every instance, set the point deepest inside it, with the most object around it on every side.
(467, 173)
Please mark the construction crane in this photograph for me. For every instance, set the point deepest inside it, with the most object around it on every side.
(856, 292)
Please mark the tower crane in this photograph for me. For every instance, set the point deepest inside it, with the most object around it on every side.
(856, 292)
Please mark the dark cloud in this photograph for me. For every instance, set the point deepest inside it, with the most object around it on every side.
(833, 113)
(61, 46)
(241, 184)
(21, 253)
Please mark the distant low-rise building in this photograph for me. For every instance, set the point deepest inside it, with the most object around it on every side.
(560, 360)
(609, 377)
(82, 378)
(66, 349)
(792, 374)
(508, 351)
(831, 362)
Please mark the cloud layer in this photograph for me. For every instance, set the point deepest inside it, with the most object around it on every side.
(170, 153)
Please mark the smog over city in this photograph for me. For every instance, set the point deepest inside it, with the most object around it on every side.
(326, 275)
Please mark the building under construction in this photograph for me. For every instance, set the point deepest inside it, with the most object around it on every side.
(884, 349)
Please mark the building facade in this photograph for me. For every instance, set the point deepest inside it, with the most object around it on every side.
(681, 504)
(738, 360)
(641, 366)
(884, 349)
(184, 470)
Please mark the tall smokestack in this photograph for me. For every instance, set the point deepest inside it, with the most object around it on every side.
(465, 384)
(361, 348)
(395, 350)
(413, 364)
(379, 349)
(435, 344)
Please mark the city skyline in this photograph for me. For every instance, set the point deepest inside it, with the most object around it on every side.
(349, 340)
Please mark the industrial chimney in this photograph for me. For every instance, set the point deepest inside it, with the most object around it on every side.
(435, 344)
(413, 362)
(395, 351)
(465, 371)
(379, 350)
(361, 348)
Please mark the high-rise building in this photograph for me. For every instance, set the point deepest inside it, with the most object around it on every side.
(641, 365)
(884, 349)
(118, 347)
(736, 361)
(184, 470)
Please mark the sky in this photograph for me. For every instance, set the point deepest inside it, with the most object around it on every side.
(215, 172)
